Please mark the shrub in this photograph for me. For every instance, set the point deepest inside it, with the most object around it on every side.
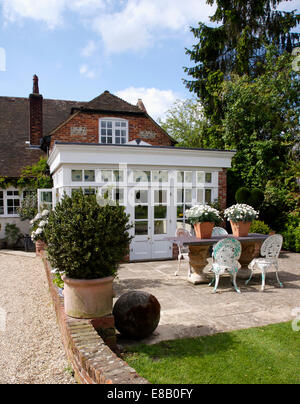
(243, 195)
(86, 240)
(256, 198)
(29, 207)
(291, 238)
(12, 234)
(258, 226)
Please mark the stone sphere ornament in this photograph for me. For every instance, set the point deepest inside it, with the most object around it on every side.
(137, 314)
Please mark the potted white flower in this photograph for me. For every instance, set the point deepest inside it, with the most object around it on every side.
(204, 218)
(38, 225)
(240, 217)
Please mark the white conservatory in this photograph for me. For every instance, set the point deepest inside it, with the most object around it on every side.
(156, 184)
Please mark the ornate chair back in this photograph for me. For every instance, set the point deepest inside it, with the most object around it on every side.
(227, 252)
(219, 231)
(271, 247)
(184, 234)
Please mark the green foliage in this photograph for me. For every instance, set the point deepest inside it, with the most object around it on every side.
(85, 240)
(291, 238)
(36, 176)
(57, 281)
(12, 234)
(236, 46)
(29, 206)
(253, 197)
(243, 195)
(258, 226)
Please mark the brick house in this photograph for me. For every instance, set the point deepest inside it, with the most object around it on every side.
(109, 146)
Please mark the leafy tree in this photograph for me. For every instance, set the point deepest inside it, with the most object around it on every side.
(237, 45)
(186, 123)
(261, 121)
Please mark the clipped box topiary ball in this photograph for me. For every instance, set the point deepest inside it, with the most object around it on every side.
(137, 314)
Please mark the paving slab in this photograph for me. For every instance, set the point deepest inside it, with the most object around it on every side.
(189, 310)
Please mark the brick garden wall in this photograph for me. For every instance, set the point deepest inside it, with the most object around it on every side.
(92, 360)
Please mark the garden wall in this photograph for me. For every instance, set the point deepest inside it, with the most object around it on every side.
(92, 360)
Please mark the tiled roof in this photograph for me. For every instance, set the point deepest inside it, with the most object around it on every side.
(109, 102)
(14, 131)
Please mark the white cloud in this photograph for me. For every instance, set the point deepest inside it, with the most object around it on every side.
(156, 101)
(141, 22)
(87, 72)
(89, 49)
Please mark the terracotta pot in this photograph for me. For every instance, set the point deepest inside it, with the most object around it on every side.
(204, 229)
(88, 298)
(40, 247)
(240, 229)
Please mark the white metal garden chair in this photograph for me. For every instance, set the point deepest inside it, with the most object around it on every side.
(183, 251)
(226, 254)
(269, 251)
(219, 231)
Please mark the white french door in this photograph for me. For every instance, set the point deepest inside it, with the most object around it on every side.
(151, 218)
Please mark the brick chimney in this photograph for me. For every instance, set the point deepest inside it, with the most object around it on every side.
(141, 105)
(36, 114)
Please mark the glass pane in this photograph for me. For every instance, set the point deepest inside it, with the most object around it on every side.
(200, 194)
(188, 196)
(123, 140)
(180, 177)
(1, 203)
(160, 227)
(141, 176)
(160, 212)
(160, 176)
(76, 175)
(106, 176)
(200, 177)
(89, 175)
(10, 202)
(118, 140)
(208, 196)
(160, 196)
(141, 212)
(180, 195)
(103, 124)
(109, 124)
(188, 177)
(103, 139)
(123, 124)
(141, 228)
(109, 140)
(118, 175)
(180, 212)
(46, 196)
(208, 177)
(141, 196)
(119, 195)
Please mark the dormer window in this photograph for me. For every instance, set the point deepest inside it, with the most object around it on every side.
(113, 131)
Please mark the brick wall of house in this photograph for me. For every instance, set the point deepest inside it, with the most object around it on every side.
(153, 134)
(222, 191)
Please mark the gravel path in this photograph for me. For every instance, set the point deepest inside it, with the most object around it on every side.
(31, 349)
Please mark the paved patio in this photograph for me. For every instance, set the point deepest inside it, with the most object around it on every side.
(189, 310)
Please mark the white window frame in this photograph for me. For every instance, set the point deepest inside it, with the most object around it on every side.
(5, 199)
(114, 128)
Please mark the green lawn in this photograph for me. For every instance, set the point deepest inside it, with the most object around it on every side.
(268, 354)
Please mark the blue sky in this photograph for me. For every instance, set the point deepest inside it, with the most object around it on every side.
(79, 48)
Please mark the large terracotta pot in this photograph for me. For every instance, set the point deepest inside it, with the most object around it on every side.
(40, 247)
(88, 298)
(204, 229)
(240, 229)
